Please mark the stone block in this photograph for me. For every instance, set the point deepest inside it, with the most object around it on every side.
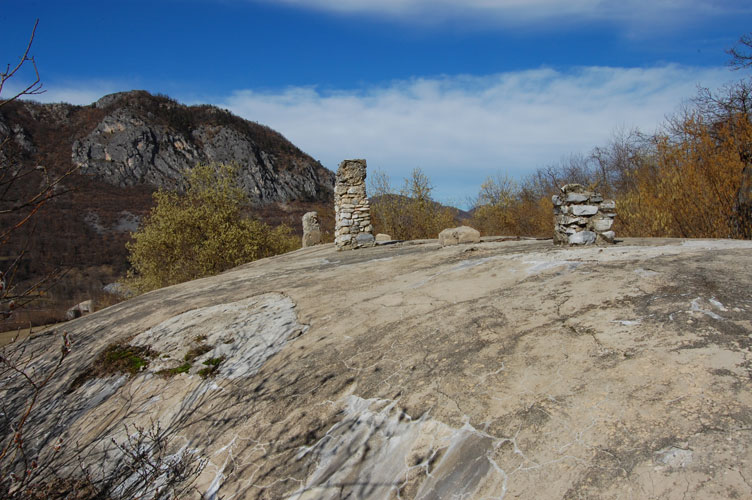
(601, 225)
(569, 188)
(311, 229)
(580, 210)
(607, 236)
(578, 197)
(582, 238)
(364, 239)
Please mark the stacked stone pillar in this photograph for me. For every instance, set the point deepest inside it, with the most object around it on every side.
(352, 209)
(582, 217)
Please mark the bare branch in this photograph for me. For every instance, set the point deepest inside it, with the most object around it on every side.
(35, 87)
(741, 54)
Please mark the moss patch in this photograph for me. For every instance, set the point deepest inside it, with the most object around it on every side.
(212, 365)
(171, 372)
(123, 358)
(116, 359)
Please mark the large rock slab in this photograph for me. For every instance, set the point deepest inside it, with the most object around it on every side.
(518, 370)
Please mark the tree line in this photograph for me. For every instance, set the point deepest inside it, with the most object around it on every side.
(690, 179)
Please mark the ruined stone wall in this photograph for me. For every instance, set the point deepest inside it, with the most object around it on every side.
(352, 209)
(582, 217)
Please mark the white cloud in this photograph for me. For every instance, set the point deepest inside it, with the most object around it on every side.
(512, 12)
(460, 129)
(81, 93)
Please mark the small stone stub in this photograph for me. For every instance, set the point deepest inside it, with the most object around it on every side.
(582, 217)
(311, 229)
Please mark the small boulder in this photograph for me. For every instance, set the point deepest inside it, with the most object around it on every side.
(383, 237)
(79, 310)
(457, 235)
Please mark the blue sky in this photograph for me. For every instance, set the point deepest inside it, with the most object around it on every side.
(462, 89)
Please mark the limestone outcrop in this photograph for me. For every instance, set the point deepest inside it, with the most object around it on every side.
(131, 146)
(582, 217)
(352, 209)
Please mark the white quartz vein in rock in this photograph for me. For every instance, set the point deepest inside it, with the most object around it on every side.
(245, 333)
(376, 450)
(696, 307)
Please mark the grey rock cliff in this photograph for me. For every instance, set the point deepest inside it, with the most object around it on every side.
(140, 142)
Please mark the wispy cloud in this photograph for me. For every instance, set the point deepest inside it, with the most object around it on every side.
(459, 129)
(463, 128)
(80, 93)
(513, 12)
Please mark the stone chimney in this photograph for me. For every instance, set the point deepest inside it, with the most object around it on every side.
(352, 209)
(582, 217)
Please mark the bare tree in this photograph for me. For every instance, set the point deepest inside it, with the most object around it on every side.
(741, 54)
(33, 88)
(24, 189)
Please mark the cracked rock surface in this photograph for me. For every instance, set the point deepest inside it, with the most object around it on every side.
(505, 369)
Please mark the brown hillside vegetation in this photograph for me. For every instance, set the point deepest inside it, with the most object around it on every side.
(408, 213)
(692, 179)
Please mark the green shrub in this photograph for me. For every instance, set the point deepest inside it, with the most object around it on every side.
(201, 233)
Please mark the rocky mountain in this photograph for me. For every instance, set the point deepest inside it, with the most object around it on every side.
(143, 139)
(502, 369)
(124, 147)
